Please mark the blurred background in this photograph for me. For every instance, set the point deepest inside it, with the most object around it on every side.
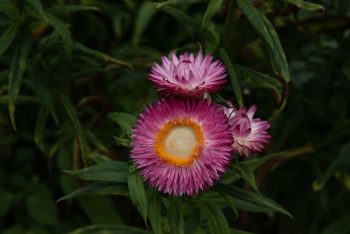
(66, 64)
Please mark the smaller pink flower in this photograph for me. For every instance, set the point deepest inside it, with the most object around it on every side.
(188, 75)
(249, 134)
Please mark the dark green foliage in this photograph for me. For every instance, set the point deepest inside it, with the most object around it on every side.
(73, 79)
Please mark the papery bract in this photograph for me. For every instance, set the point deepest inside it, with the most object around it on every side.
(182, 146)
(188, 75)
(249, 134)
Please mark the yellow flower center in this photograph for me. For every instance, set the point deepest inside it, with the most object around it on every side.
(179, 142)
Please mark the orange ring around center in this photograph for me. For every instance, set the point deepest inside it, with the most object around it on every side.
(164, 132)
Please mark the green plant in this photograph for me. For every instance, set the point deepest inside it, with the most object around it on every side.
(73, 78)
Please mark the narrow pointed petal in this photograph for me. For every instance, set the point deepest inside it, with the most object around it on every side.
(209, 160)
(188, 75)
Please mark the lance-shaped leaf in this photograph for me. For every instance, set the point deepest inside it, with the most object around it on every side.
(233, 76)
(216, 219)
(38, 7)
(250, 197)
(212, 9)
(62, 30)
(99, 55)
(266, 30)
(39, 130)
(177, 2)
(100, 188)
(176, 219)
(112, 171)
(77, 125)
(256, 79)
(144, 16)
(71, 8)
(7, 37)
(309, 6)
(109, 228)
(17, 68)
(124, 120)
(137, 192)
(186, 19)
(154, 210)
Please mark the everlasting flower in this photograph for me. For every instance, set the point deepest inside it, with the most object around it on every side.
(249, 134)
(188, 75)
(182, 146)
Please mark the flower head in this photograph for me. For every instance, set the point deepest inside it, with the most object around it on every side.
(182, 146)
(249, 134)
(188, 75)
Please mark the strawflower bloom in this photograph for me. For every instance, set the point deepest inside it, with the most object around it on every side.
(181, 146)
(188, 75)
(249, 134)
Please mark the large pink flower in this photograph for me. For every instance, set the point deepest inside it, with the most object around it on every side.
(249, 134)
(182, 146)
(188, 75)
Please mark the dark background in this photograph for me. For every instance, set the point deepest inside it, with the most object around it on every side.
(73, 66)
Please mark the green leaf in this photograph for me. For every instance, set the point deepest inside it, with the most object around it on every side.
(109, 228)
(99, 158)
(307, 5)
(230, 176)
(59, 143)
(177, 2)
(62, 29)
(231, 204)
(95, 142)
(100, 188)
(277, 55)
(341, 163)
(7, 38)
(77, 125)
(71, 8)
(212, 9)
(233, 76)
(235, 203)
(248, 175)
(249, 197)
(251, 207)
(154, 210)
(17, 68)
(37, 6)
(216, 219)
(124, 120)
(39, 84)
(39, 129)
(185, 19)
(137, 192)
(254, 163)
(123, 142)
(256, 79)
(99, 55)
(144, 16)
(113, 171)
(176, 219)
(268, 33)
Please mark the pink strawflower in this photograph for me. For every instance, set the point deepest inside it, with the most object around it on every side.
(188, 75)
(182, 146)
(249, 134)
